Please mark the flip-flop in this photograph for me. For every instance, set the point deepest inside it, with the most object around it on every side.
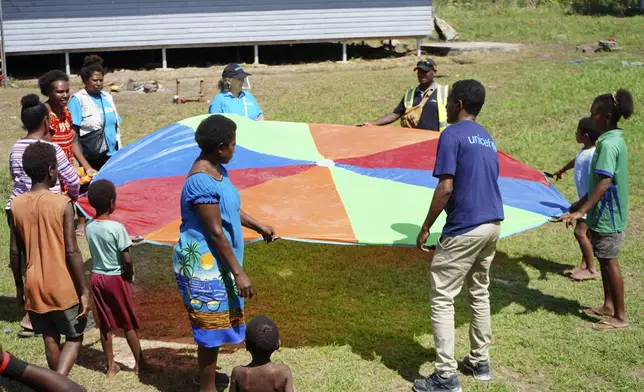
(594, 312)
(604, 325)
(80, 233)
(24, 334)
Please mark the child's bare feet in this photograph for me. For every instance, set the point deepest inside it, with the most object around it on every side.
(584, 275)
(111, 372)
(599, 312)
(571, 272)
(611, 324)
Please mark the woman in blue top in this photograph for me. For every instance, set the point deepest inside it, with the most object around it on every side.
(96, 121)
(232, 98)
(209, 255)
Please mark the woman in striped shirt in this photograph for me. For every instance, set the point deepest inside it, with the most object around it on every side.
(35, 119)
(55, 86)
(34, 116)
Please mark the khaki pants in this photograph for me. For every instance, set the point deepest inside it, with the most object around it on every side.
(462, 259)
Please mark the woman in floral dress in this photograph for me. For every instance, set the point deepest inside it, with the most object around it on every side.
(209, 255)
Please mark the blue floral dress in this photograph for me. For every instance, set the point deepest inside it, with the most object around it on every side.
(207, 286)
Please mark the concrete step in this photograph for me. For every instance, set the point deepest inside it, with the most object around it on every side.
(452, 48)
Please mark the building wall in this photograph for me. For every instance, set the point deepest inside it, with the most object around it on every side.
(47, 26)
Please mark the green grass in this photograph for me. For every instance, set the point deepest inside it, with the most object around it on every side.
(357, 318)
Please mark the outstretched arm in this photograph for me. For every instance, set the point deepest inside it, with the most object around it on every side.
(582, 207)
(559, 173)
(266, 231)
(384, 120)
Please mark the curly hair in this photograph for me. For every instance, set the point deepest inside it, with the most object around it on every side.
(215, 131)
(33, 112)
(619, 104)
(262, 336)
(100, 195)
(93, 63)
(471, 92)
(47, 80)
(37, 159)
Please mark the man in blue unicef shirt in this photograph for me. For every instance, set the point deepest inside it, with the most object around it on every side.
(467, 167)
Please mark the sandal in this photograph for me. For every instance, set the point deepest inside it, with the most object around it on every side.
(606, 325)
(80, 233)
(25, 333)
(594, 312)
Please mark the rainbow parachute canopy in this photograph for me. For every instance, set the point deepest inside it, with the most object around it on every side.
(313, 182)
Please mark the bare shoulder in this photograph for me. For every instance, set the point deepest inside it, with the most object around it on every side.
(282, 369)
(238, 372)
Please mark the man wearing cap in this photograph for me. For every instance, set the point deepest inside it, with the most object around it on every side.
(423, 106)
(232, 98)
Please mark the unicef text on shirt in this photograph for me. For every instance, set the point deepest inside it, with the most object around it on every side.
(484, 142)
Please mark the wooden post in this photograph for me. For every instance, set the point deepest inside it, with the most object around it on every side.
(164, 58)
(419, 52)
(68, 69)
(3, 54)
(344, 52)
(256, 56)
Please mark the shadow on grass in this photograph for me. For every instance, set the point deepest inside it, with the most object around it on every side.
(375, 300)
(9, 309)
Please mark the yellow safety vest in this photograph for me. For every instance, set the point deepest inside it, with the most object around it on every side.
(415, 111)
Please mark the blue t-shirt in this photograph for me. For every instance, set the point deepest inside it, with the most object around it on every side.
(108, 115)
(246, 105)
(467, 152)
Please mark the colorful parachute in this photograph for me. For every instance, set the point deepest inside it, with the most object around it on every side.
(313, 182)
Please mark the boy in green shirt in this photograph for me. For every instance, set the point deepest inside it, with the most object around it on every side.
(607, 204)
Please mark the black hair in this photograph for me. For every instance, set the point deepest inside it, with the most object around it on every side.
(92, 63)
(262, 336)
(37, 159)
(471, 92)
(33, 112)
(224, 84)
(588, 126)
(215, 131)
(619, 104)
(100, 195)
(47, 80)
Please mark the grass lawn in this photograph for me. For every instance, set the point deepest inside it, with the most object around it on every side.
(357, 318)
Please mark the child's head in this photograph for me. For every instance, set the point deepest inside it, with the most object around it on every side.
(34, 114)
(608, 109)
(587, 131)
(262, 337)
(102, 196)
(40, 164)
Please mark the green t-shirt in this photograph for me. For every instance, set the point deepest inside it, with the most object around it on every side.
(107, 239)
(610, 159)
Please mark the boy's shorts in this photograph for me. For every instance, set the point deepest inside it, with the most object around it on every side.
(61, 322)
(606, 245)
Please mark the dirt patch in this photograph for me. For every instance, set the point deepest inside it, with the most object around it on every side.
(515, 379)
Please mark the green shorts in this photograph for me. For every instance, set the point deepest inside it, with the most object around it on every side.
(61, 322)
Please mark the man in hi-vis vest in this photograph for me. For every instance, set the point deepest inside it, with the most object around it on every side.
(422, 106)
